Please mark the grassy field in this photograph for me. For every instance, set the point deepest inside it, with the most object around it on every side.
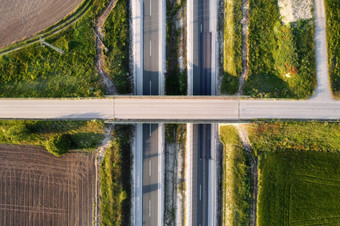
(232, 64)
(37, 71)
(115, 179)
(333, 41)
(175, 79)
(117, 40)
(81, 134)
(281, 57)
(299, 136)
(236, 179)
(299, 173)
(299, 188)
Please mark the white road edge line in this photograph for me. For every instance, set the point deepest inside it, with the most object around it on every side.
(200, 192)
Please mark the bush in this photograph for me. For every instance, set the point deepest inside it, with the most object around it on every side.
(59, 144)
(333, 41)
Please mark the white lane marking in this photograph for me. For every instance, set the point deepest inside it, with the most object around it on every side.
(201, 27)
(150, 7)
(200, 192)
(149, 168)
(150, 125)
(150, 90)
(149, 208)
(150, 47)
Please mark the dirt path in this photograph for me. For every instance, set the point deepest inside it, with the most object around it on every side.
(242, 130)
(99, 158)
(322, 91)
(99, 61)
(245, 50)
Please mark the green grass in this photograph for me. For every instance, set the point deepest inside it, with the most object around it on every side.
(333, 41)
(299, 188)
(117, 40)
(236, 179)
(290, 135)
(276, 50)
(232, 46)
(115, 179)
(82, 134)
(175, 78)
(36, 71)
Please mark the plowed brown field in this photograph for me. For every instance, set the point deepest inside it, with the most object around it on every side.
(37, 188)
(22, 19)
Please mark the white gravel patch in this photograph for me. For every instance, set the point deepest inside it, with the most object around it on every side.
(294, 10)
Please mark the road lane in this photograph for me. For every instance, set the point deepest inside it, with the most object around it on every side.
(150, 174)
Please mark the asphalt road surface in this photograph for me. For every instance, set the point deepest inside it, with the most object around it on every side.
(150, 174)
(201, 133)
(150, 131)
(164, 108)
(151, 47)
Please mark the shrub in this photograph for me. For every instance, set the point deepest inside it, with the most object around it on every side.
(59, 144)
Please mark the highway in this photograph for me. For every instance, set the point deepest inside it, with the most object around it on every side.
(152, 211)
(201, 133)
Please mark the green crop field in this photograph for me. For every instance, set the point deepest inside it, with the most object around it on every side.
(281, 57)
(299, 188)
(299, 172)
(333, 41)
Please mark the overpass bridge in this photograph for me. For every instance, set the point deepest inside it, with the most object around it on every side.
(132, 109)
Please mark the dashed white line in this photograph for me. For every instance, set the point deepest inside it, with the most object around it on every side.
(150, 7)
(150, 168)
(149, 208)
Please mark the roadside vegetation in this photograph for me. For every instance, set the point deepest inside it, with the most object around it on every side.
(236, 179)
(117, 41)
(333, 41)
(39, 71)
(175, 77)
(115, 176)
(299, 174)
(281, 57)
(57, 136)
(232, 64)
(174, 178)
(297, 136)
